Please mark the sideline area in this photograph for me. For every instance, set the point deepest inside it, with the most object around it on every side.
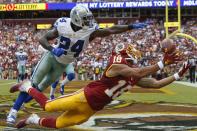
(186, 83)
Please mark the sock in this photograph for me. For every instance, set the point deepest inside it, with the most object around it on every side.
(34, 120)
(64, 81)
(19, 78)
(55, 84)
(52, 91)
(29, 98)
(38, 96)
(20, 100)
(48, 122)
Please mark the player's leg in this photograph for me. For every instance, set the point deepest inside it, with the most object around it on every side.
(75, 105)
(53, 88)
(42, 68)
(69, 77)
(11, 118)
(53, 75)
(19, 72)
(68, 118)
(23, 72)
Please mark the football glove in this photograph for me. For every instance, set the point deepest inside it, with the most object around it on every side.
(186, 65)
(58, 51)
(172, 58)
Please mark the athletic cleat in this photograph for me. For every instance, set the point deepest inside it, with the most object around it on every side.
(11, 118)
(32, 119)
(23, 86)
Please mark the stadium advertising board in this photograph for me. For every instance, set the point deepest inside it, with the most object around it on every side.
(43, 26)
(129, 4)
(95, 5)
(105, 25)
(22, 7)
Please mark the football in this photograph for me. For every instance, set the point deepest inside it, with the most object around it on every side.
(168, 46)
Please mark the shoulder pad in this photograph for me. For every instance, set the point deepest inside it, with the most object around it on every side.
(62, 25)
(59, 21)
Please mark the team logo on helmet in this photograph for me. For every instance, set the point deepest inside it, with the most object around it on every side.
(128, 52)
(81, 16)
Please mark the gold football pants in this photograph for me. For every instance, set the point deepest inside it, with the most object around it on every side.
(75, 107)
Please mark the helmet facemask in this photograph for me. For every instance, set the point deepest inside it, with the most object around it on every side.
(88, 21)
(131, 55)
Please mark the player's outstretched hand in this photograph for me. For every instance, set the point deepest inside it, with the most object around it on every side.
(139, 25)
(186, 65)
(172, 58)
(58, 51)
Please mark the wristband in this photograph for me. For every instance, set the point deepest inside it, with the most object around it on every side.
(160, 64)
(176, 76)
(130, 27)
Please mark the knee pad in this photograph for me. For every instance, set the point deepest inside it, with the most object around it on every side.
(55, 84)
(71, 76)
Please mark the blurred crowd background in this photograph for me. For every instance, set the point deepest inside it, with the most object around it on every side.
(93, 60)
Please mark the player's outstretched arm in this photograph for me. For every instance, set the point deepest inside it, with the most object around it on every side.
(138, 73)
(50, 35)
(153, 83)
(116, 29)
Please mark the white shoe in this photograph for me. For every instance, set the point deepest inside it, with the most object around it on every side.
(11, 118)
(32, 119)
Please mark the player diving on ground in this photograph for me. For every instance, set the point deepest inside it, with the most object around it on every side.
(119, 76)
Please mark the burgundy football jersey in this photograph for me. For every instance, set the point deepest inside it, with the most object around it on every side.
(102, 92)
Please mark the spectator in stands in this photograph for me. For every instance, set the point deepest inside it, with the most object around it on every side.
(147, 40)
(192, 69)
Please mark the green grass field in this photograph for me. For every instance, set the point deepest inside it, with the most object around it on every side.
(145, 103)
(174, 93)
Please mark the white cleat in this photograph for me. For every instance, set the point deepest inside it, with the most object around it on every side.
(11, 118)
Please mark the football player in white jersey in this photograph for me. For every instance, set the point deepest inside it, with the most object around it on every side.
(74, 34)
(21, 58)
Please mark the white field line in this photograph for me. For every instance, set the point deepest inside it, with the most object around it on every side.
(186, 83)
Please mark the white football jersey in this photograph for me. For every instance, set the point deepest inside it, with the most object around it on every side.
(21, 58)
(73, 42)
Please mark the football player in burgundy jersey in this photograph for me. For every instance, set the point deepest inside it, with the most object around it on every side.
(118, 77)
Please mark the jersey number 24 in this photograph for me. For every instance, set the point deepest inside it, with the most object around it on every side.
(77, 47)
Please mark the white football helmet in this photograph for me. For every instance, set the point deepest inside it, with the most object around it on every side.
(81, 16)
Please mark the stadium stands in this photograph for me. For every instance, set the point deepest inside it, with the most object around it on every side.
(96, 55)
